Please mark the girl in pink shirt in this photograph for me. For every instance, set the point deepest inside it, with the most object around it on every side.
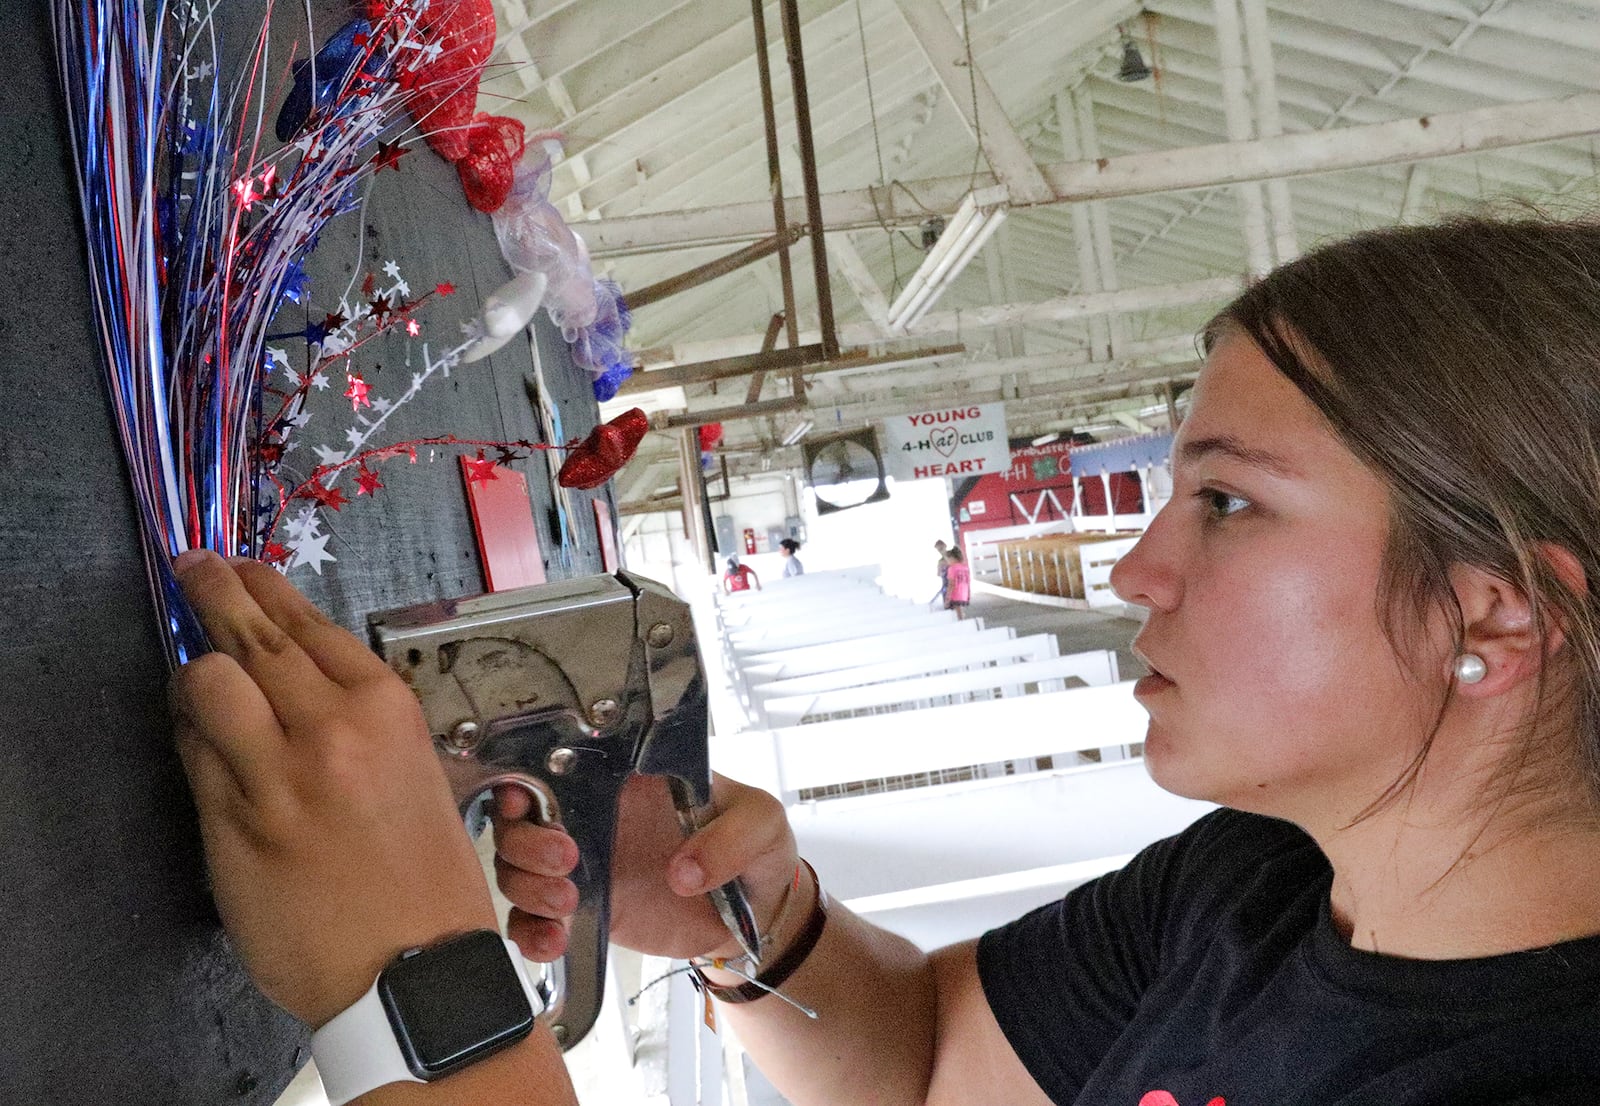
(958, 578)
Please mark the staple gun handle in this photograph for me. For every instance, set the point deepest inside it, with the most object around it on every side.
(577, 786)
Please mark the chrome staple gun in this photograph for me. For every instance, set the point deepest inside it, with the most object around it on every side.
(566, 689)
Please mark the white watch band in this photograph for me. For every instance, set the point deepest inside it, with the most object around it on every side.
(357, 1050)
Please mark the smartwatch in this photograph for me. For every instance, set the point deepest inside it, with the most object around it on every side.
(431, 1012)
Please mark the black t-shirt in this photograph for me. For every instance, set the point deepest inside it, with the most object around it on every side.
(1208, 972)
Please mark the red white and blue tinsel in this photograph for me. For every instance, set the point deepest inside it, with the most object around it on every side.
(198, 230)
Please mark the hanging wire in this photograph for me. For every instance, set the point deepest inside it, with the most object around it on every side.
(972, 89)
(877, 145)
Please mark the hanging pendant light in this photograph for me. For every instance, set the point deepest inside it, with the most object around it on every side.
(1133, 64)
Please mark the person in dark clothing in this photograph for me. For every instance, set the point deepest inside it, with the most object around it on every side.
(1373, 639)
(1373, 636)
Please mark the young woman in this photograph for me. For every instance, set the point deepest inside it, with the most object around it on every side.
(1372, 638)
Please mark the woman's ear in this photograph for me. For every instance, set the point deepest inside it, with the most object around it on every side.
(1498, 624)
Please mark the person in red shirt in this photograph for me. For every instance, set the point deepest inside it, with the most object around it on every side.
(738, 577)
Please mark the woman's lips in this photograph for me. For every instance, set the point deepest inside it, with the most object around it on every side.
(1151, 685)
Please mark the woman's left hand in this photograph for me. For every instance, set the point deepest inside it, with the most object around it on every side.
(333, 841)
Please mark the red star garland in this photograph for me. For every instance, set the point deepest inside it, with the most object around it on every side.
(357, 392)
(388, 157)
(244, 189)
(315, 488)
(326, 496)
(413, 328)
(445, 289)
(480, 470)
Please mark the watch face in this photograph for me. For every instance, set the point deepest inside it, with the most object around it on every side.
(455, 1003)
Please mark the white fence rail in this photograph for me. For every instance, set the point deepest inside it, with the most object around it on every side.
(1098, 667)
(934, 863)
(996, 645)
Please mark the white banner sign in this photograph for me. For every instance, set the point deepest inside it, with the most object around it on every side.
(955, 441)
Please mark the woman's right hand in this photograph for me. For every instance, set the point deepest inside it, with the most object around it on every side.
(658, 878)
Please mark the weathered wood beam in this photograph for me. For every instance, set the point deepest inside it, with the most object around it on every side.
(711, 270)
(728, 414)
(859, 278)
(706, 372)
(973, 97)
(650, 506)
(1083, 305)
(1241, 128)
(1109, 383)
(1287, 155)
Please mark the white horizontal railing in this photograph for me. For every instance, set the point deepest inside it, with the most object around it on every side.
(736, 610)
(782, 638)
(836, 655)
(792, 758)
(820, 615)
(1095, 668)
(996, 645)
(943, 864)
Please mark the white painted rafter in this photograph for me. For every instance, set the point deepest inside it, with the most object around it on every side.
(1404, 140)
(969, 90)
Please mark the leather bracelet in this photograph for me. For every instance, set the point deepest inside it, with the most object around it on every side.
(786, 965)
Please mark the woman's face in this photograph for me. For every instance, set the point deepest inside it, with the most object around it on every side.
(1273, 685)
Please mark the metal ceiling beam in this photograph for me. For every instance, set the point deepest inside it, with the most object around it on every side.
(1288, 155)
(972, 96)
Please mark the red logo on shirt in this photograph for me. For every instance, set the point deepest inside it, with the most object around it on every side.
(1164, 1098)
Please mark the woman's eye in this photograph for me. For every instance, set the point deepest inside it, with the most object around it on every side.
(1220, 504)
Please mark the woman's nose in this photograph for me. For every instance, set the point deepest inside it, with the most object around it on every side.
(1145, 575)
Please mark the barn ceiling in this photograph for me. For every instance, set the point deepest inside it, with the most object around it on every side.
(1127, 225)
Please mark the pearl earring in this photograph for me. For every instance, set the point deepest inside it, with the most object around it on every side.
(1470, 668)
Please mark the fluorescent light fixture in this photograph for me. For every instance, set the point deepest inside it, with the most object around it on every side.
(1046, 439)
(797, 431)
(978, 216)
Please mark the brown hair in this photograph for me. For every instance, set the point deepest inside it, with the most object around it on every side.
(1461, 364)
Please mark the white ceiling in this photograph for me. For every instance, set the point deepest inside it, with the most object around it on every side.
(659, 104)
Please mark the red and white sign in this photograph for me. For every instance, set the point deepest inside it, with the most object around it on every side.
(954, 441)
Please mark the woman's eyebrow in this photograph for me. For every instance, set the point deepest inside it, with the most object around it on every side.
(1196, 450)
